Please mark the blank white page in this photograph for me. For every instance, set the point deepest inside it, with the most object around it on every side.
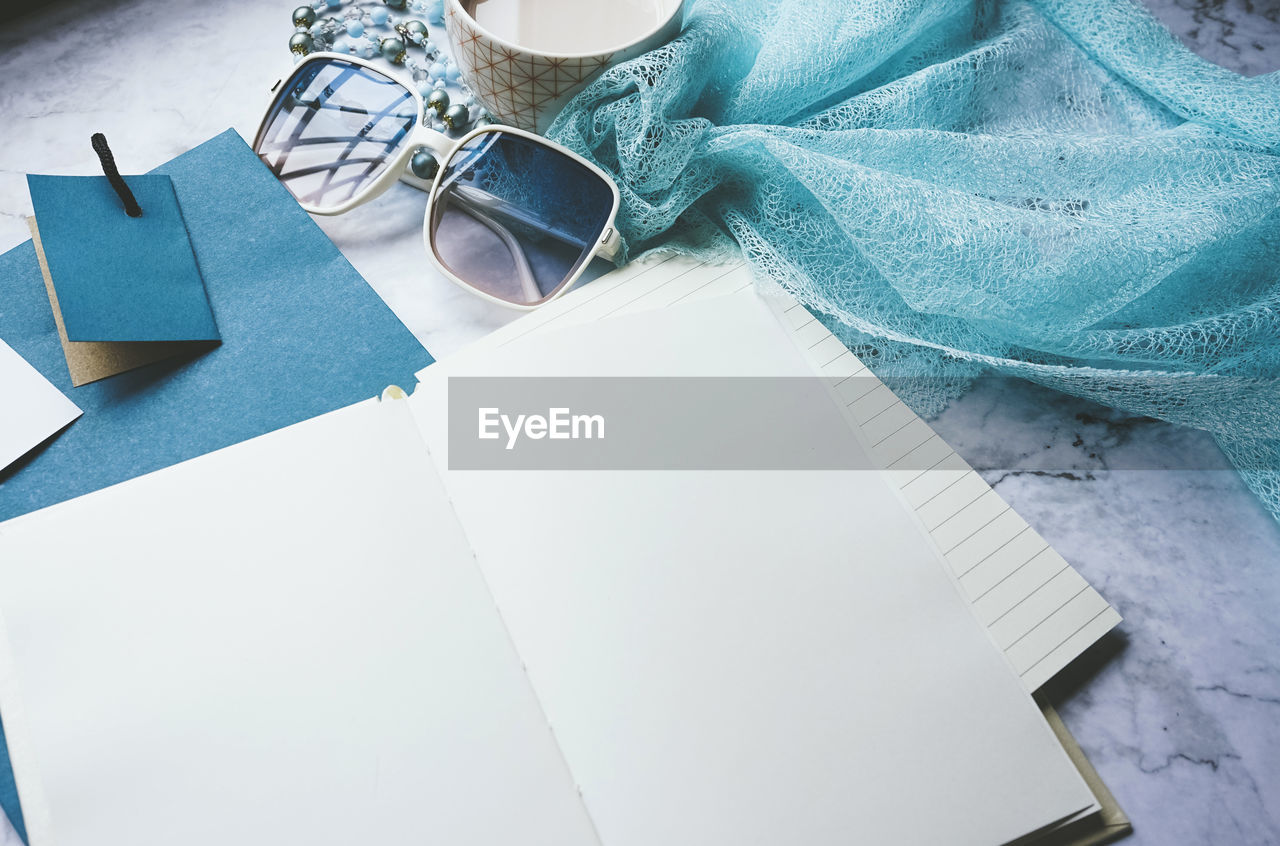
(283, 642)
(1042, 622)
(31, 408)
(732, 658)
(1039, 610)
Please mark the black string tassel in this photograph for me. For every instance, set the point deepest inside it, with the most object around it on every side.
(100, 147)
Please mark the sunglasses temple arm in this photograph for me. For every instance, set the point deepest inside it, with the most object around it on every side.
(527, 281)
(610, 245)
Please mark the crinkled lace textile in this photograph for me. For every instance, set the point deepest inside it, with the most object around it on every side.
(1052, 189)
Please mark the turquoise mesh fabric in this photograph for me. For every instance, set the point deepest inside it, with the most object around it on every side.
(1051, 189)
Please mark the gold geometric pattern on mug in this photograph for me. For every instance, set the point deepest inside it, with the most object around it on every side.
(518, 87)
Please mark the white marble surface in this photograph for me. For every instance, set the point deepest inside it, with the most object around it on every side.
(1243, 35)
(1179, 710)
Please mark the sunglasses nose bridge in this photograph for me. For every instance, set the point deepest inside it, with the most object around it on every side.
(437, 143)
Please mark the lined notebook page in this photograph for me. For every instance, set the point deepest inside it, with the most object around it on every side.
(1039, 610)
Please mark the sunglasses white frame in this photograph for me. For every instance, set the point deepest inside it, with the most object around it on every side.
(443, 148)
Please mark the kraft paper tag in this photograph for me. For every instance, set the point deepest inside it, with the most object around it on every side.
(125, 291)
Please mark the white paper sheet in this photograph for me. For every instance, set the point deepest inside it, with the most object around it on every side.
(283, 642)
(746, 657)
(31, 408)
(289, 641)
(1038, 608)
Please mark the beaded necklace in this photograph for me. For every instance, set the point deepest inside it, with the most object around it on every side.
(394, 31)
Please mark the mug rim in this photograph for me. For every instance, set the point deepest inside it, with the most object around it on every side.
(677, 8)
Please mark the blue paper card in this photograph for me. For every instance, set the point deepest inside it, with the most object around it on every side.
(120, 278)
(302, 334)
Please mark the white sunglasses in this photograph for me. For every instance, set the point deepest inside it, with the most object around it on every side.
(511, 216)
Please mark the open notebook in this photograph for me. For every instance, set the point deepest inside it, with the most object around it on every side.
(1039, 610)
(324, 635)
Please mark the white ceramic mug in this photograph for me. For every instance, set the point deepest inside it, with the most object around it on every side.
(525, 59)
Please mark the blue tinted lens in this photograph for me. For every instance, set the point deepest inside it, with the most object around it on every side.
(517, 218)
(333, 129)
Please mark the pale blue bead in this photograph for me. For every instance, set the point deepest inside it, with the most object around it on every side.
(425, 87)
(435, 11)
(355, 28)
(437, 70)
(452, 73)
(333, 4)
(341, 45)
(368, 51)
(378, 14)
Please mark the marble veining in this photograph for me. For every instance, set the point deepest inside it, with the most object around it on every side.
(1179, 709)
(1243, 35)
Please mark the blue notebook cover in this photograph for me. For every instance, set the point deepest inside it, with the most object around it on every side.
(302, 334)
